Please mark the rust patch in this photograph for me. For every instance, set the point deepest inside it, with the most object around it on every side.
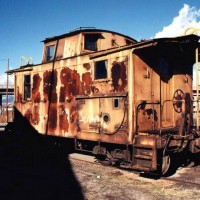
(147, 119)
(74, 117)
(18, 95)
(71, 84)
(150, 112)
(35, 91)
(28, 115)
(62, 94)
(87, 66)
(119, 77)
(52, 119)
(48, 79)
(87, 82)
(36, 115)
(95, 90)
(63, 119)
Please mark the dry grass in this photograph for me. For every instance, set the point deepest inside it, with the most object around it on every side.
(105, 183)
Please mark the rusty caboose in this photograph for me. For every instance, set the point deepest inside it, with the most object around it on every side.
(125, 101)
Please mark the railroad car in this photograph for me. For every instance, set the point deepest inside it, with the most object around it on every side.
(127, 102)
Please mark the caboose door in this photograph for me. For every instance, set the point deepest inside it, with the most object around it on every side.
(102, 115)
(166, 93)
(113, 114)
(88, 111)
(167, 104)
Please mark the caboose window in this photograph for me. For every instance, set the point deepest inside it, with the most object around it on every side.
(50, 52)
(27, 87)
(101, 69)
(90, 42)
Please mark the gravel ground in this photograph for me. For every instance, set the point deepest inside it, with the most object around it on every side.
(106, 183)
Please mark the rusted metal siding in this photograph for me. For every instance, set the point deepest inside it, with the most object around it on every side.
(69, 99)
(60, 106)
(159, 84)
(69, 102)
(147, 95)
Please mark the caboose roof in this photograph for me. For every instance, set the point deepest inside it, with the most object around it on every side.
(159, 44)
(84, 30)
(166, 46)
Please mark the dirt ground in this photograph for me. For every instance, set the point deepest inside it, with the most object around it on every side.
(32, 169)
(99, 182)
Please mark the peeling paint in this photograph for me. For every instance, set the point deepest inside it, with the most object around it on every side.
(87, 82)
(87, 66)
(52, 119)
(119, 77)
(48, 79)
(71, 84)
(35, 90)
(28, 115)
(63, 119)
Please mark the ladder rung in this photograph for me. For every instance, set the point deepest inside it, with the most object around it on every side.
(143, 157)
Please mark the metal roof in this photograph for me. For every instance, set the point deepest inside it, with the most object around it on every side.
(84, 30)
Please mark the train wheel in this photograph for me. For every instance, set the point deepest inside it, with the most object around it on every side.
(166, 163)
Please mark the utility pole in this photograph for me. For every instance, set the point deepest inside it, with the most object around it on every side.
(7, 81)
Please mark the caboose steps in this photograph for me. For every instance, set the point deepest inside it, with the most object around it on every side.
(143, 146)
(144, 153)
(143, 157)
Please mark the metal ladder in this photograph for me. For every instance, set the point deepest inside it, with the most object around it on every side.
(144, 155)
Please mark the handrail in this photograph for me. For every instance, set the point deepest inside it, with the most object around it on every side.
(5, 86)
(193, 30)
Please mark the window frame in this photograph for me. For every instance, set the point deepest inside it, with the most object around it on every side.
(27, 88)
(101, 76)
(48, 51)
(96, 37)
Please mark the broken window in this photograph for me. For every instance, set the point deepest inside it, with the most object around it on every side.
(90, 42)
(50, 52)
(27, 87)
(101, 69)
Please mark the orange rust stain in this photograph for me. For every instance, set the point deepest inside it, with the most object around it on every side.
(48, 80)
(119, 77)
(62, 94)
(87, 81)
(63, 119)
(28, 115)
(87, 66)
(18, 95)
(52, 118)
(95, 90)
(147, 119)
(74, 117)
(35, 91)
(36, 115)
(71, 84)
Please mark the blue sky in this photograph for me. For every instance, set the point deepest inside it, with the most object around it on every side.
(25, 23)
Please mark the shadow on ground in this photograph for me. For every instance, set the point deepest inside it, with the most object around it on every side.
(31, 168)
